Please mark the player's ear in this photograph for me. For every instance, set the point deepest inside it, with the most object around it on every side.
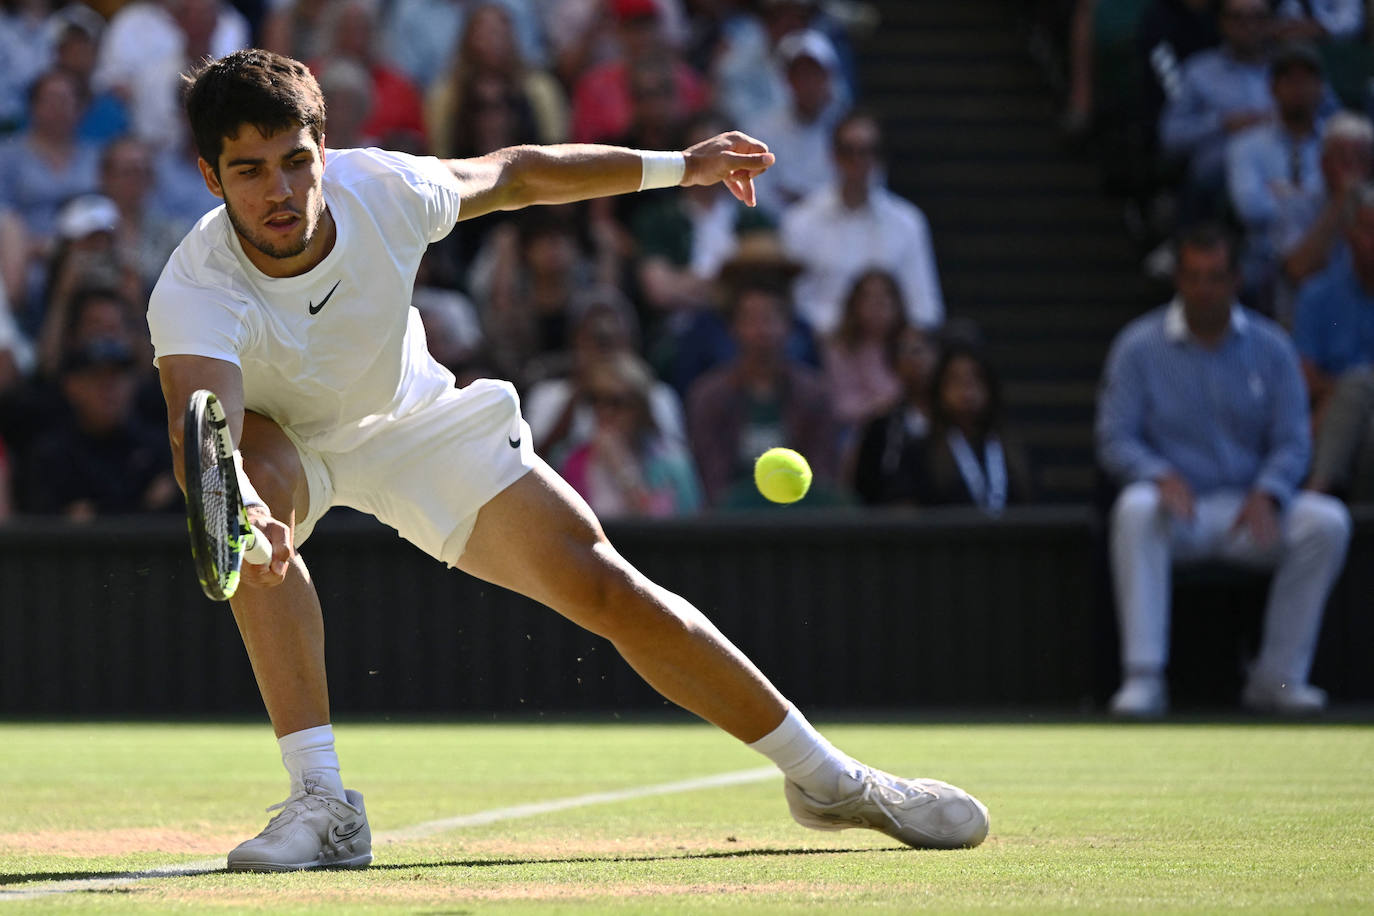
(211, 179)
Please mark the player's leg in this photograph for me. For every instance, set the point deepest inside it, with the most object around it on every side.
(539, 538)
(283, 630)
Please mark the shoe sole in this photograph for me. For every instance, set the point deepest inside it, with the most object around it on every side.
(355, 863)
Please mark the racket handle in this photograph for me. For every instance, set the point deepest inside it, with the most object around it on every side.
(259, 549)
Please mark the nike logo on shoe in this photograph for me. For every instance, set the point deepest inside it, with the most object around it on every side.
(338, 834)
(315, 309)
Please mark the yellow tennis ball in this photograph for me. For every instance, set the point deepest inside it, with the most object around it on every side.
(782, 475)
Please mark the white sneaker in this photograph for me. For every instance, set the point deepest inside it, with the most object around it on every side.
(313, 830)
(1283, 699)
(924, 813)
(1141, 697)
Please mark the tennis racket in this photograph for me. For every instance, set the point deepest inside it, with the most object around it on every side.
(221, 537)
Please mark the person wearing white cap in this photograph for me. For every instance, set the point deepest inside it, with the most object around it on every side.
(799, 129)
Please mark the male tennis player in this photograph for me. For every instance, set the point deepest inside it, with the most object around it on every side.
(292, 303)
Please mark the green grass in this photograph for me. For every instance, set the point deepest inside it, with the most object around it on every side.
(1180, 817)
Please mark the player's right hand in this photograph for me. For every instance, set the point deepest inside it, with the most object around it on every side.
(732, 158)
(273, 572)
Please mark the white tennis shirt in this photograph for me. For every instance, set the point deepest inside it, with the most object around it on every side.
(333, 353)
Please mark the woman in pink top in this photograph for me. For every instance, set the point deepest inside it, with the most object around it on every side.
(857, 358)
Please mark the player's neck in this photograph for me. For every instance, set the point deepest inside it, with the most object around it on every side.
(318, 249)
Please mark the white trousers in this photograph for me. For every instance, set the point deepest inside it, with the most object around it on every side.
(1145, 543)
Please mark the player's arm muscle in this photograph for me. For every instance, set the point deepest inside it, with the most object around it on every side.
(180, 377)
(522, 176)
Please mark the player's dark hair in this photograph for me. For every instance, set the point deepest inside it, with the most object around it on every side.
(254, 87)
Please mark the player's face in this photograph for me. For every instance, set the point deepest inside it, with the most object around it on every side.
(272, 191)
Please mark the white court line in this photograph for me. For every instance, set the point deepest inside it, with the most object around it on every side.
(407, 834)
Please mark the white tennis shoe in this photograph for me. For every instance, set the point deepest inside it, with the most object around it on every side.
(313, 830)
(924, 813)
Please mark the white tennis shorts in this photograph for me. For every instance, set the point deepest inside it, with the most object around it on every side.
(426, 474)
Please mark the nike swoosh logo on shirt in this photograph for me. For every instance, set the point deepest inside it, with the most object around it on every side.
(514, 443)
(315, 309)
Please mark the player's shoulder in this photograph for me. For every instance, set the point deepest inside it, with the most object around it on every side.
(202, 267)
(352, 168)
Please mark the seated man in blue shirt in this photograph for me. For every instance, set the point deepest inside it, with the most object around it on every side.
(1334, 333)
(1203, 418)
(1271, 165)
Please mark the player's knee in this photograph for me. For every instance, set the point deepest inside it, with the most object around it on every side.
(615, 601)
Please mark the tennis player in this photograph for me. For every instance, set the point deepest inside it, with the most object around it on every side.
(292, 303)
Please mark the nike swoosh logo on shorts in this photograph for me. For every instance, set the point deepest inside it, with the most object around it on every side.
(315, 309)
(338, 836)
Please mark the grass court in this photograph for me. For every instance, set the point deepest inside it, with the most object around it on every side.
(1199, 817)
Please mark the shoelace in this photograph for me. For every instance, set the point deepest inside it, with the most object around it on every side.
(882, 793)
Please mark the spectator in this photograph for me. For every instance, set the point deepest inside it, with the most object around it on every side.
(890, 463)
(1221, 93)
(839, 231)
(14, 259)
(582, 33)
(86, 255)
(1170, 32)
(421, 35)
(295, 28)
(453, 331)
(1334, 333)
(396, 119)
(486, 62)
(1320, 20)
(100, 458)
(23, 56)
(557, 408)
(525, 280)
(78, 29)
(602, 98)
(1275, 164)
(349, 99)
(761, 399)
(1308, 231)
(857, 358)
(747, 77)
(684, 236)
(971, 460)
(629, 468)
(47, 163)
(16, 354)
(144, 235)
(146, 47)
(800, 129)
(1203, 419)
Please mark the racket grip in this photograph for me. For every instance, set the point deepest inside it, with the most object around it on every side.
(259, 549)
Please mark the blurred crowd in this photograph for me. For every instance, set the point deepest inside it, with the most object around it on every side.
(660, 341)
(1231, 433)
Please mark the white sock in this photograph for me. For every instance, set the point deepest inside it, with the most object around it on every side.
(312, 750)
(807, 759)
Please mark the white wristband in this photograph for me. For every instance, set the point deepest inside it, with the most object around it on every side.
(247, 495)
(661, 169)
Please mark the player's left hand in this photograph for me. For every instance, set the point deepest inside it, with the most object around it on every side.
(1259, 515)
(733, 158)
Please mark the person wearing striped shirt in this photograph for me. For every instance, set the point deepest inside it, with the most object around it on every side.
(1202, 417)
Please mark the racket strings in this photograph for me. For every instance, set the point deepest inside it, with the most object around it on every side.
(215, 503)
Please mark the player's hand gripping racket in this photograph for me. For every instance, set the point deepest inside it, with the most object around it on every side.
(221, 537)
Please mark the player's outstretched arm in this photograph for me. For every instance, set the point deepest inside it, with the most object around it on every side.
(181, 376)
(523, 176)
